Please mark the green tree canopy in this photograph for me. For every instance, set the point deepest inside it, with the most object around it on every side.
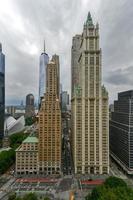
(7, 158)
(113, 182)
(29, 121)
(46, 198)
(113, 189)
(12, 197)
(30, 196)
(17, 138)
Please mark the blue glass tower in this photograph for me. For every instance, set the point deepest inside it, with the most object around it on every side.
(2, 92)
(44, 59)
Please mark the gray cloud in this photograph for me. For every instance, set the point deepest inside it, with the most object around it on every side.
(117, 44)
(25, 23)
(117, 33)
(121, 77)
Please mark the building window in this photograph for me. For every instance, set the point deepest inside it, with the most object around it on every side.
(97, 60)
(91, 60)
(90, 32)
(91, 44)
(86, 60)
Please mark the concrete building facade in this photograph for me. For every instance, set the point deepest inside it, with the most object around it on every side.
(90, 127)
(121, 131)
(27, 157)
(50, 125)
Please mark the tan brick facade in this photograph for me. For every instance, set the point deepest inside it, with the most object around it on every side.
(50, 125)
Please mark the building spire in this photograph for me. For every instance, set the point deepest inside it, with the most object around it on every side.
(0, 47)
(89, 19)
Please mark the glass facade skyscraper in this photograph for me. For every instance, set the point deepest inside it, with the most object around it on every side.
(2, 92)
(30, 108)
(121, 131)
(44, 59)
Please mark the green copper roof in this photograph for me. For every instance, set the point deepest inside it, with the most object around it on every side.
(89, 19)
(31, 140)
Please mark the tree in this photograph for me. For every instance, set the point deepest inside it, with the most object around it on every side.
(12, 197)
(29, 121)
(16, 139)
(113, 182)
(7, 158)
(113, 189)
(30, 196)
(18, 198)
(46, 198)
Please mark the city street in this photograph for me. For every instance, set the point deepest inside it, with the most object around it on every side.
(6, 188)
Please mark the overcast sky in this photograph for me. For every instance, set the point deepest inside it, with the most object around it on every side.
(24, 24)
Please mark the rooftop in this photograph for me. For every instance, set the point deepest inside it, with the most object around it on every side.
(128, 94)
(31, 139)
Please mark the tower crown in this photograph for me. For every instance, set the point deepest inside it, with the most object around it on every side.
(89, 20)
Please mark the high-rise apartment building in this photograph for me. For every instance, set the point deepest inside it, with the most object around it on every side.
(2, 92)
(30, 108)
(90, 127)
(50, 125)
(121, 131)
(44, 59)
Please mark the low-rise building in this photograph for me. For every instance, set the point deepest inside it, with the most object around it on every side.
(27, 157)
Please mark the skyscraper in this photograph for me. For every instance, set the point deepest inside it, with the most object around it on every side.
(75, 53)
(121, 131)
(50, 125)
(44, 59)
(2, 92)
(90, 128)
(55, 58)
(30, 108)
(64, 100)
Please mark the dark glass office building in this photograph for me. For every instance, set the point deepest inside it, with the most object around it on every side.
(2, 92)
(30, 108)
(121, 131)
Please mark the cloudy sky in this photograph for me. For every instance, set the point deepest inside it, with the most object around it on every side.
(24, 24)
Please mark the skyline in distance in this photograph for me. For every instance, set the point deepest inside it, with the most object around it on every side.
(22, 38)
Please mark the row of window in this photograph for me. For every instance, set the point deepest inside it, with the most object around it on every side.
(92, 61)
